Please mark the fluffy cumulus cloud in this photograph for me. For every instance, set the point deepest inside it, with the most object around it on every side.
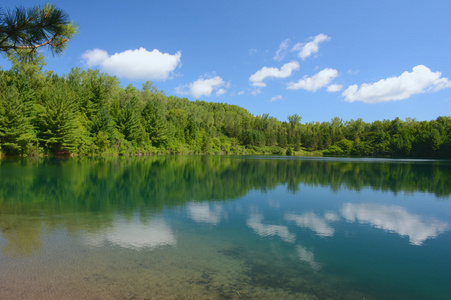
(285, 71)
(334, 88)
(220, 92)
(307, 49)
(95, 57)
(420, 80)
(282, 51)
(317, 81)
(275, 98)
(255, 92)
(204, 87)
(138, 64)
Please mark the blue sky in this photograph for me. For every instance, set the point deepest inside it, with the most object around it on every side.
(373, 60)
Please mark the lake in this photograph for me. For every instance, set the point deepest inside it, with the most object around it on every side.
(225, 227)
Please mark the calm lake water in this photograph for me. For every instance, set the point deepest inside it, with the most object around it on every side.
(225, 227)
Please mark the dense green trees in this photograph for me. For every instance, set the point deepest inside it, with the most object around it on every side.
(16, 132)
(89, 112)
(57, 123)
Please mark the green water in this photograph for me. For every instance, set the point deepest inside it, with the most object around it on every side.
(224, 227)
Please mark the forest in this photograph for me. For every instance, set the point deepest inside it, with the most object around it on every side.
(87, 112)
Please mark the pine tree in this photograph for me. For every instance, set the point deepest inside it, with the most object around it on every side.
(128, 122)
(57, 119)
(103, 122)
(155, 123)
(16, 132)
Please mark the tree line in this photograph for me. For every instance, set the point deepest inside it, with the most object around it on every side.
(88, 112)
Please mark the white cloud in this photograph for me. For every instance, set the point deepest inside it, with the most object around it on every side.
(265, 72)
(282, 51)
(420, 80)
(313, 222)
(394, 219)
(314, 83)
(95, 57)
(138, 64)
(353, 72)
(252, 51)
(240, 93)
(259, 84)
(255, 92)
(307, 49)
(334, 88)
(220, 92)
(275, 98)
(203, 87)
(265, 230)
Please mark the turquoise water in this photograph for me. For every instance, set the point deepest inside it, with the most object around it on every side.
(225, 227)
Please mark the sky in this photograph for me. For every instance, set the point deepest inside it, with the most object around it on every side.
(366, 59)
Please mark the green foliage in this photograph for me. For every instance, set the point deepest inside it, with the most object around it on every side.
(88, 112)
(58, 130)
(103, 122)
(294, 119)
(334, 150)
(252, 137)
(345, 145)
(289, 151)
(362, 149)
(16, 132)
(40, 26)
(93, 90)
(155, 123)
(128, 122)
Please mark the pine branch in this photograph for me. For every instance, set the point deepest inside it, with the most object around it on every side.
(38, 27)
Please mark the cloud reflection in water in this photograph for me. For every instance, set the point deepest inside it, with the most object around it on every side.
(265, 230)
(308, 257)
(202, 213)
(314, 222)
(395, 219)
(135, 235)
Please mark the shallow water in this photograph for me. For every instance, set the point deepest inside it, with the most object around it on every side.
(218, 227)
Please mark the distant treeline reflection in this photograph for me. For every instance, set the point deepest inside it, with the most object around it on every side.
(153, 183)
